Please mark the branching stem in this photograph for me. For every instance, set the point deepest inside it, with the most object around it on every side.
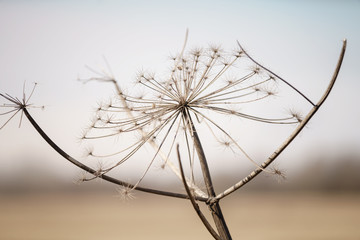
(94, 172)
(301, 126)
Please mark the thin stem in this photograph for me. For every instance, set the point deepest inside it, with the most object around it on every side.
(286, 82)
(192, 200)
(201, 155)
(214, 206)
(94, 172)
(301, 126)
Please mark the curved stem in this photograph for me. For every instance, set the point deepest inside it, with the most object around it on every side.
(292, 136)
(286, 82)
(93, 171)
(192, 200)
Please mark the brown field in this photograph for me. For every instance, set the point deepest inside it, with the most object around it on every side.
(250, 216)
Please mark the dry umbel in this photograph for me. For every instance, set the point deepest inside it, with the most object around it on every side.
(203, 88)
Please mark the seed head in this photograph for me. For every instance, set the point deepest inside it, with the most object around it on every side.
(197, 87)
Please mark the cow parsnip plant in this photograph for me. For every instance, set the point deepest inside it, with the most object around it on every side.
(204, 87)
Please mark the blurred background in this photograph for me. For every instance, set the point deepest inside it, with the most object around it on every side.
(52, 42)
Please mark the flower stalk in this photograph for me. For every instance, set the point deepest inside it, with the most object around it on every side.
(95, 172)
(215, 208)
(292, 136)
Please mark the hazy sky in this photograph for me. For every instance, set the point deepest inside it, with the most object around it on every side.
(50, 42)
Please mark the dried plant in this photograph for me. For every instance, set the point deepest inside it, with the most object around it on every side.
(203, 88)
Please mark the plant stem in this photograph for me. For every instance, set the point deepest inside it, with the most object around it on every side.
(193, 202)
(300, 127)
(214, 206)
(94, 172)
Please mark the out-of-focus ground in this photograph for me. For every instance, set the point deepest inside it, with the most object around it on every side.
(256, 215)
(316, 203)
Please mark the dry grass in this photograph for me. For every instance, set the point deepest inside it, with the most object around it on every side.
(250, 216)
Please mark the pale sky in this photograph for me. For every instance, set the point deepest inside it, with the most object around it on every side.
(51, 42)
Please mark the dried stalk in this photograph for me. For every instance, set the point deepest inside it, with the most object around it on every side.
(95, 172)
(301, 126)
(214, 205)
(192, 200)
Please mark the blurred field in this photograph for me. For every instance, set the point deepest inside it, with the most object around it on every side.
(250, 216)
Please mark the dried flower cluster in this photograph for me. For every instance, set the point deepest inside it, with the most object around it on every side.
(16, 105)
(203, 84)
